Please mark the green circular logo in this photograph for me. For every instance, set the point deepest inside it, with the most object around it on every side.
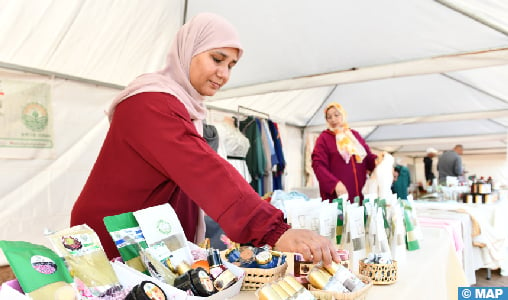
(35, 116)
(164, 227)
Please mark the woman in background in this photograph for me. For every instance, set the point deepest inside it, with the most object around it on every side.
(341, 158)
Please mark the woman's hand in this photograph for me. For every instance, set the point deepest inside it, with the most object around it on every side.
(311, 245)
(340, 189)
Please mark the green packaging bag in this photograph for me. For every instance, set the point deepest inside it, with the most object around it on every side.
(40, 271)
(412, 242)
(340, 220)
(128, 237)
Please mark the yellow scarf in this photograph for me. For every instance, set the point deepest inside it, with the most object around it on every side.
(348, 145)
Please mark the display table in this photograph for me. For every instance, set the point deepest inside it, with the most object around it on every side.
(460, 231)
(485, 231)
(432, 272)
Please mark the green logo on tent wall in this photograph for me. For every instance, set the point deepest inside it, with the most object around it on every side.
(35, 116)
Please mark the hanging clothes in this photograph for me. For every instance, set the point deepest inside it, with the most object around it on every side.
(271, 159)
(255, 157)
(234, 146)
(211, 136)
(280, 166)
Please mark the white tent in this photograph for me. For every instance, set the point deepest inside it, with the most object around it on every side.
(411, 74)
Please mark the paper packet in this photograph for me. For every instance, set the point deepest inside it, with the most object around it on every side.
(41, 273)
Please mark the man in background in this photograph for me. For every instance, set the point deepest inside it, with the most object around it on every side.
(450, 164)
(427, 162)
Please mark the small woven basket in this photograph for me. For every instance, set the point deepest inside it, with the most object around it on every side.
(358, 295)
(257, 277)
(380, 273)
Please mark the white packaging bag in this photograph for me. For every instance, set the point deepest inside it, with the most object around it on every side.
(160, 224)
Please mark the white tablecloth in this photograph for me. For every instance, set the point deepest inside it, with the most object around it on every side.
(466, 254)
(491, 220)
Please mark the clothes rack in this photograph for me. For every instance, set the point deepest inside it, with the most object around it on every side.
(251, 111)
(263, 115)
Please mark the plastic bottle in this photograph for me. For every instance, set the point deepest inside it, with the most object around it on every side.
(323, 280)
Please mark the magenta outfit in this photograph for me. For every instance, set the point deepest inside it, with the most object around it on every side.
(330, 167)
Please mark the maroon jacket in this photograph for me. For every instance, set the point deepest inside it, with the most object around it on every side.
(330, 167)
(153, 155)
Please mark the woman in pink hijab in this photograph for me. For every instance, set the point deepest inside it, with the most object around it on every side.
(154, 153)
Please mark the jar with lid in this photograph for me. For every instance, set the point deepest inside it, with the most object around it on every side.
(197, 280)
(146, 290)
(222, 277)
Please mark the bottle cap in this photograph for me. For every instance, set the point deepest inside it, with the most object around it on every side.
(202, 282)
(152, 291)
(246, 254)
(147, 290)
(263, 257)
(225, 280)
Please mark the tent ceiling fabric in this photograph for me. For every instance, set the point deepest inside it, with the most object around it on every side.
(411, 74)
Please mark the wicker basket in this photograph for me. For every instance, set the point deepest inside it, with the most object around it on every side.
(380, 273)
(358, 295)
(257, 277)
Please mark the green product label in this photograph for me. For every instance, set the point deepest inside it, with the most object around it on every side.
(79, 244)
(164, 226)
(125, 231)
(35, 266)
(413, 245)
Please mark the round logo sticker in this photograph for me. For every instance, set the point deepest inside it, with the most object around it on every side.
(43, 264)
(164, 227)
(35, 117)
(72, 243)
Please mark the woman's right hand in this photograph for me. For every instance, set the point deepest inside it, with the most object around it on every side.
(312, 246)
(340, 189)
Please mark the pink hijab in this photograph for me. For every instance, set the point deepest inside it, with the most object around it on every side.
(203, 32)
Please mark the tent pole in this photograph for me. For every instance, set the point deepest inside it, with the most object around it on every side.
(51, 74)
(302, 150)
(469, 14)
(475, 88)
(185, 5)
